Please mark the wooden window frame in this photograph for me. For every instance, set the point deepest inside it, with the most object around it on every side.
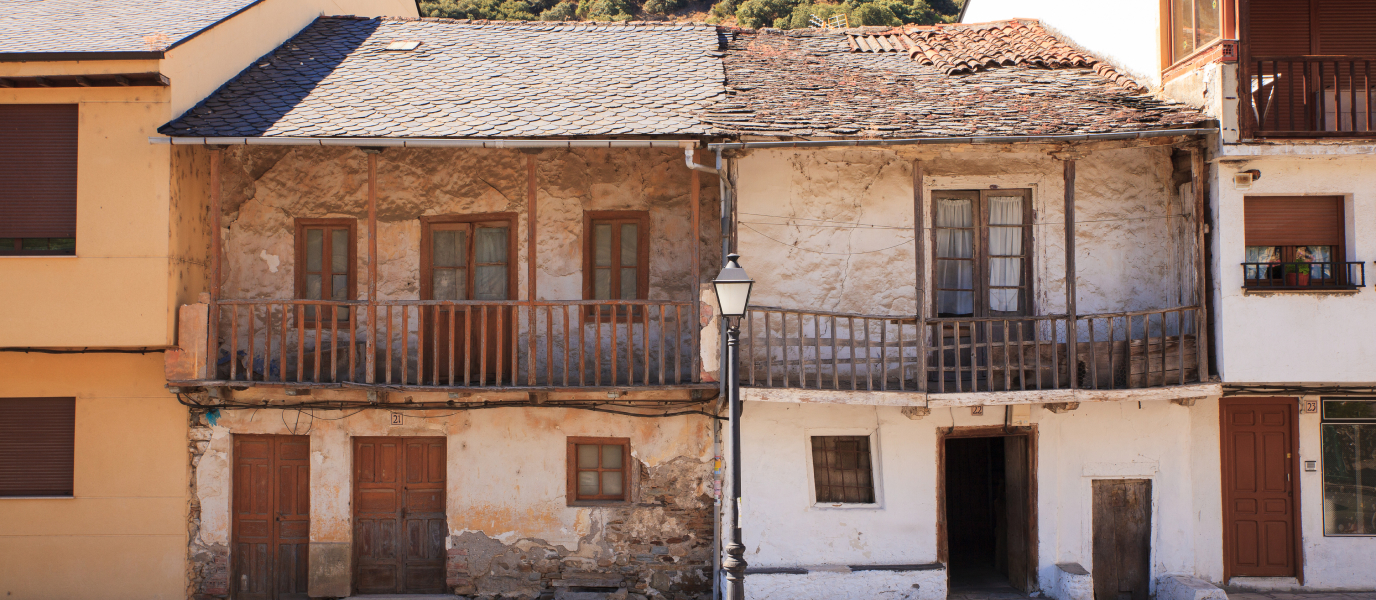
(642, 220)
(352, 257)
(1227, 29)
(979, 255)
(873, 465)
(573, 497)
(427, 225)
(26, 406)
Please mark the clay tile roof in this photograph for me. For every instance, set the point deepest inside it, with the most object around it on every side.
(962, 49)
(36, 27)
(487, 79)
(814, 83)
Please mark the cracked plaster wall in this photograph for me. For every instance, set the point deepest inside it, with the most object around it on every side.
(511, 529)
(1129, 244)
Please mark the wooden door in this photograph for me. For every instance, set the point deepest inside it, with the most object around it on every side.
(1259, 502)
(468, 257)
(1017, 473)
(271, 524)
(1122, 539)
(399, 523)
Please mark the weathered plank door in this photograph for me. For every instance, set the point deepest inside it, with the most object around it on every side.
(1122, 539)
(399, 523)
(1017, 471)
(272, 516)
(1259, 502)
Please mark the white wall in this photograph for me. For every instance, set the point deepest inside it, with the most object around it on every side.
(1295, 337)
(1337, 562)
(1174, 446)
(1125, 32)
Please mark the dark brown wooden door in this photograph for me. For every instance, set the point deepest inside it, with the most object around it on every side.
(399, 523)
(1122, 539)
(1017, 473)
(272, 516)
(1259, 502)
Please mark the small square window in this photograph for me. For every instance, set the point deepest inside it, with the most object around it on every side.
(842, 469)
(599, 469)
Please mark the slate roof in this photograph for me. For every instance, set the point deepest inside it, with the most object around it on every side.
(811, 83)
(70, 26)
(470, 79)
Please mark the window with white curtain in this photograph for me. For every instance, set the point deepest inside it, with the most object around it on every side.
(982, 246)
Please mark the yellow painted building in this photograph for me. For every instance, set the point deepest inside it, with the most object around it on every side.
(86, 323)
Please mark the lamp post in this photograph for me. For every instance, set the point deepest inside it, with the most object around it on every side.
(732, 286)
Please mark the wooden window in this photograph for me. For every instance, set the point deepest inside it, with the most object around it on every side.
(38, 144)
(599, 469)
(325, 263)
(616, 255)
(1286, 236)
(1193, 25)
(982, 244)
(36, 440)
(467, 257)
(841, 469)
(1349, 466)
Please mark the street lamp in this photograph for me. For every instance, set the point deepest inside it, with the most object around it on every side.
(733, 296)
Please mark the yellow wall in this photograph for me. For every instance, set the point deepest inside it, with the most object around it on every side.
(123, 534)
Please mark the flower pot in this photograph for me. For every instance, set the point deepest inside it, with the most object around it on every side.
(1297, 279)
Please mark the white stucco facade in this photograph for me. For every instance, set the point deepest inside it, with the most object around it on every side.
(1175, 447)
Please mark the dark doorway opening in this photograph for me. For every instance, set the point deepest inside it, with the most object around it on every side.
(987, 487)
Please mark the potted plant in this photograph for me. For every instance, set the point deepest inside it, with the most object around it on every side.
(1297, 274)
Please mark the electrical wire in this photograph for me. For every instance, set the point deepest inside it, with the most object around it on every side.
(84, 350)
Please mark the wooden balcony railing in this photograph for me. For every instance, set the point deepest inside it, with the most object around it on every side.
(1304, 275)
(1308, 96)
(456, 344)
(841, 351)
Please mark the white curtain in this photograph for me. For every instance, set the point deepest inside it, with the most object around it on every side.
(955, 243)
(490, 280)
(1005, 210)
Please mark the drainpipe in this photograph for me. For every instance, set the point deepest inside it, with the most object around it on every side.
(688, 158)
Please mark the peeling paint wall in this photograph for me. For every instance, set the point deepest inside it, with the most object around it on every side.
(798, 237)
(511, 530)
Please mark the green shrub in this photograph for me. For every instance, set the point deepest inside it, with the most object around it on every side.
(605, 10)
(754, 14)
(725, 8)
(802, 14)
(873, 13)
(563, 11)
(662, 7)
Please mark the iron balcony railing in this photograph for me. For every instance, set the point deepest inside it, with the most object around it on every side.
(786, 348)
(455, 344)
(1308, 96)
(1304, 275)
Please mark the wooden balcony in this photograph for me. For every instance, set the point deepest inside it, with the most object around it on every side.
(1307, 97)
(452, 345)
(784, 348)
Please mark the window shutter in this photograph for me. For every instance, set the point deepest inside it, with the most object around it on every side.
(1293, 221)
(36, 438)
(38, 170)
(1278, 28)
(1346, 28)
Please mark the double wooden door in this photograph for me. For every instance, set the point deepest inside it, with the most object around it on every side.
(271, 524)
(399, 523)
(1259, 499)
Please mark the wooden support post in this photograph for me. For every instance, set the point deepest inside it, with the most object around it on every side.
(530, 268)
(1071, 330)
(370, 376)
(1200, 186)
(695, 200)
(212, 354)
(919, 256)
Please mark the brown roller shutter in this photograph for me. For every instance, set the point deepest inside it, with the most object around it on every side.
(1347, 27)
(1278, 28)
(38, 170)
(36, 437)
(1294, 221)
